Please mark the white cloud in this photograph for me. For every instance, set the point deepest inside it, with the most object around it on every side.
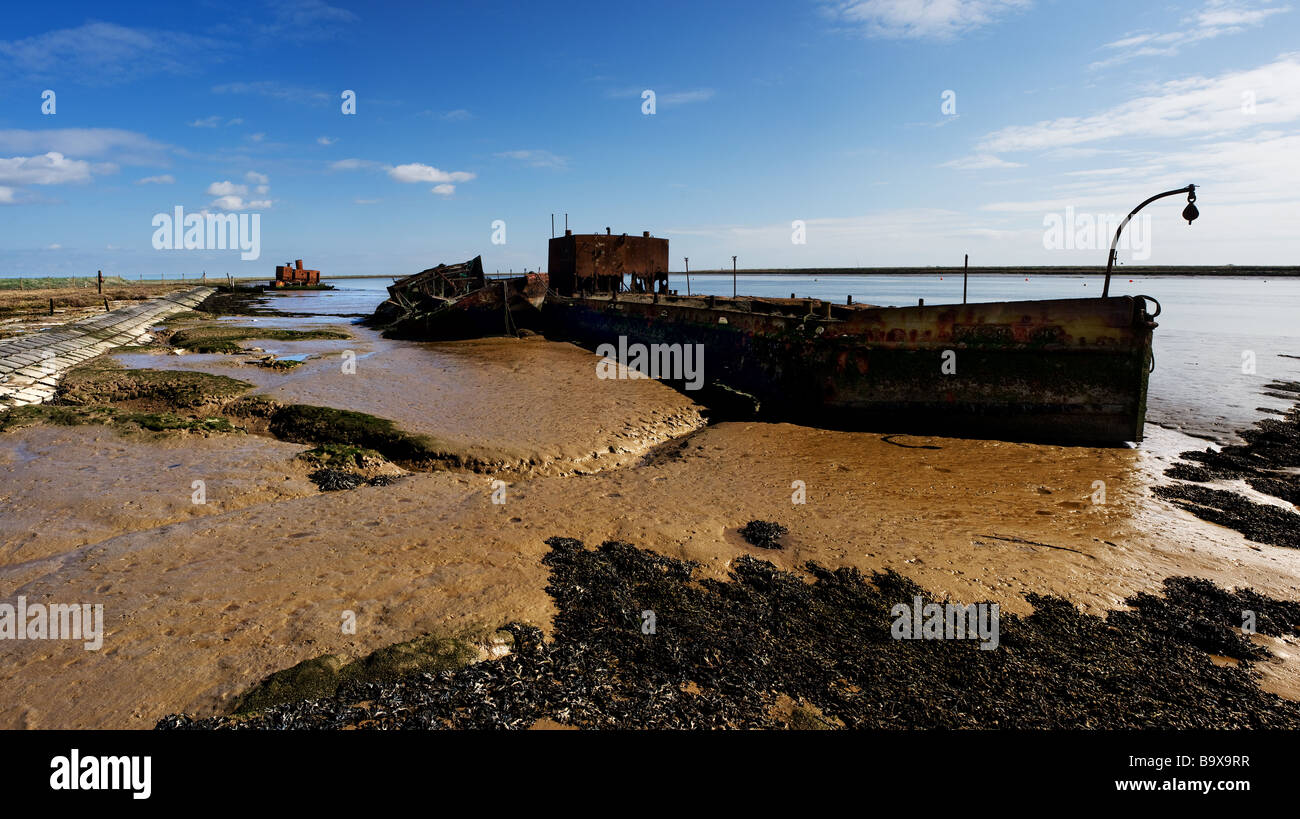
(1196, 106)
(104, 53)
(458, 115)
(664, 99)
(228, 203)
(537, 158)
(230, 195)
(682, 97)
(303, 20)
(164, 179)
(938, 19)
(258, 137)
(6, 195)
(979, 162)
(416, 172)
(55, 246)
(214, 121)
(326, 140)
(412, 172)
(353, 164)
(238, 203)
(1215, 19)
(48, 169)
(275, 90)
(366, 201)
(226, 188)
(126, 147)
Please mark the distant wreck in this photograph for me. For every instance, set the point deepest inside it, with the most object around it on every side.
(293, 275)
(459, 301)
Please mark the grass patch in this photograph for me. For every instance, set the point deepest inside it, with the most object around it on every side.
(225, 339)
(105, 381)
(342, 456)
(279, 364)
(307, 424)
(186, 316)
(33, 296)
(71, 416)
(170, 422)
(323, 676)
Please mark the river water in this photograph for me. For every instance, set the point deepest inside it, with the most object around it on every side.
(1211, 328)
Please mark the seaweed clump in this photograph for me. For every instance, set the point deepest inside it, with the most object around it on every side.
(764, 534)
(335, 480)
(1267, 462)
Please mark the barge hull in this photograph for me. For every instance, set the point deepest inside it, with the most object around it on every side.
(1064, 371)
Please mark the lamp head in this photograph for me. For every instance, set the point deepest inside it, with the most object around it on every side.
(1190, 212)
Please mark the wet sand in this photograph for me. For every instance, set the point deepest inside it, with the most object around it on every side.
(201, 602)
(201, 609)
(65, 487)
(516, 403)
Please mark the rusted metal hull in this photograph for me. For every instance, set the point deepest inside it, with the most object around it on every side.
(499, 307)
(1069, 370)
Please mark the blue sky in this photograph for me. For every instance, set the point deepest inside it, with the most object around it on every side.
(830, 113)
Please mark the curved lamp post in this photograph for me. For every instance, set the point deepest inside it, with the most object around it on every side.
(1189, 213)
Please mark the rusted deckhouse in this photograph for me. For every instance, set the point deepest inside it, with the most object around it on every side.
(604, 263)
(446, 281)
(293, 275)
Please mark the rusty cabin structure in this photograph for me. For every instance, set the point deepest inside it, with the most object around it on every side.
(293, 275)
(599, 263)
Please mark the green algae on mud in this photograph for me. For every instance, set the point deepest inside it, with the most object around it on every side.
(56, 415)
(152, 399)
(342, 456)
(103, 381)
(307, 424)
(225, 339)
(323, 676)
(737, 653)
(281, 364)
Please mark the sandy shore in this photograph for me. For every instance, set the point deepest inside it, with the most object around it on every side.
(200, 609)
(515, 403)
(203, 601)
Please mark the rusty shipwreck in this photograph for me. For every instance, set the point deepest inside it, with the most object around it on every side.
(1060, 370)
(460, 301)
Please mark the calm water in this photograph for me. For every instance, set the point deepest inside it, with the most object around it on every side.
(1206, 326)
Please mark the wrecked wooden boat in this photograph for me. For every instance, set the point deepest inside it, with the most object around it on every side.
(459, 301)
